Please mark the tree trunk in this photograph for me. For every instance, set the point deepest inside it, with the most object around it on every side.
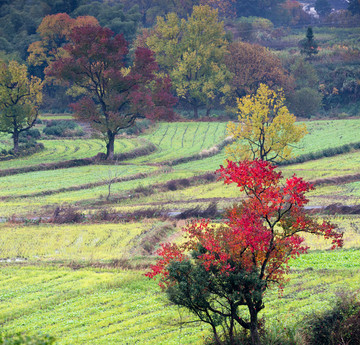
(255, 338)
(208, 111)
(110, 146)
(16, 141)
(196, 114)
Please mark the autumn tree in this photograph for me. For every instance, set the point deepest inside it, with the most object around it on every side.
(20, 98)
(54, 32)
(265, 129)
(192, 52)
(225, 7)
(222, 271)
(113, 95)
(251, 65)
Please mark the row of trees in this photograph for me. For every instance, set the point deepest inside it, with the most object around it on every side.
(114, 86)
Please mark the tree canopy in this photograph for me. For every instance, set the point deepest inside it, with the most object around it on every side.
(222, 271)
(54, 31)
(251, 65)
(20, 98)
(114, 94)
(192, 52)
(265, 129)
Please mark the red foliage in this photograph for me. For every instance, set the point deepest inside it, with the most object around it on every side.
(117, 94)
(260, 235)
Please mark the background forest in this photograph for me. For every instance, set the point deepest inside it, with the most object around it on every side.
(327, 80)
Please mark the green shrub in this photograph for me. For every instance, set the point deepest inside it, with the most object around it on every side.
(305, 101)
(339, 325)
(63, 128)
(30, 133)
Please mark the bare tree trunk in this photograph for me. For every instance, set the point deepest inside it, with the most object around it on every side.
(208, 111)
(16, 141)
(110, 146)
(196, 114)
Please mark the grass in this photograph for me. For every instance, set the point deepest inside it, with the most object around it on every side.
(71, 242)
(101, 305)
(62, 150)
(90, 307)
(52, 180)
(182, 139)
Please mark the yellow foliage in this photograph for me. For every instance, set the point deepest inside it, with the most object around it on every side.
(265, 130)
(192, 51)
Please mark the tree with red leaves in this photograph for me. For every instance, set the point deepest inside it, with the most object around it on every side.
(115, 94)
(231, 265)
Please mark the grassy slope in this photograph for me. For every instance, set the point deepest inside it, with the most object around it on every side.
(102, 306)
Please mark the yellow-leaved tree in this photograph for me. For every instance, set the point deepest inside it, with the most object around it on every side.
(20, 98)
(265, 130)
(192, 52)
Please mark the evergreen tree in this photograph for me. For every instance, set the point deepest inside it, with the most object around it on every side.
(308, 45)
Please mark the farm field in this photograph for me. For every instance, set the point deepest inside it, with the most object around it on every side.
(84, 282)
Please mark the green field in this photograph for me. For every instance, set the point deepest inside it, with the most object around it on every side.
(84, 284)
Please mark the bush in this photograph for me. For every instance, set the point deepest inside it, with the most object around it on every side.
(305, 101)
(138, 128)
(31, 133)
(339, 325)
(66, 215)
(62, 128)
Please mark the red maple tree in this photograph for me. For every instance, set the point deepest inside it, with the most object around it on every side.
(232, 264)
(114, 93)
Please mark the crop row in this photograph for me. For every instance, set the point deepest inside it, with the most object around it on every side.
(78, 242)
(96, 306)
(52, 180)
(62, 150)
(89, 307)
(183, 139)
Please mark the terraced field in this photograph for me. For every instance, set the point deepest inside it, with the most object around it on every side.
(183, 139)
(84, 283)
(63, 150)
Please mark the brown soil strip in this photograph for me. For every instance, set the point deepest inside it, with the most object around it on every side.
(337, 180)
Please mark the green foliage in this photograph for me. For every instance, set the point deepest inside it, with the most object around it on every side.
(308, 46)
(115, 16)
(354, 6)
(20, 98)
(305, 102)
(338, 325)
(64, 128)
(254, 29)
(304, 73)
(259, 8)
